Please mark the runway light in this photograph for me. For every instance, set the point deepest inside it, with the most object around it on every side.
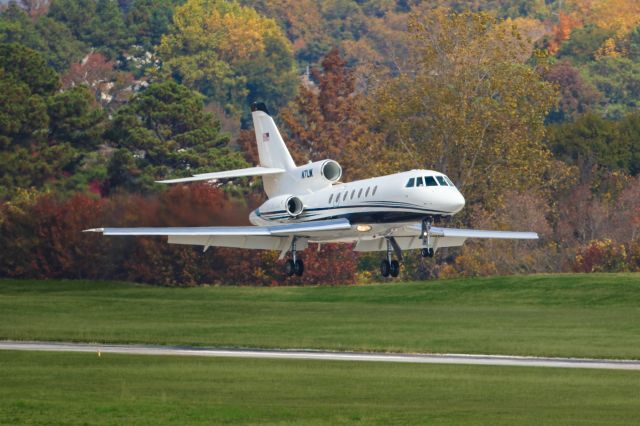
(363, 228)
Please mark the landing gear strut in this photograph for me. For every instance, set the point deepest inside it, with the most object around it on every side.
(427, 250)
(391, 266)
(294, 265)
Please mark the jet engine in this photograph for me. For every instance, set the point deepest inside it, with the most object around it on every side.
(294, 206)
(319, 174)
(289, 204)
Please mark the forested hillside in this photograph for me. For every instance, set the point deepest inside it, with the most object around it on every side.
(531, 107)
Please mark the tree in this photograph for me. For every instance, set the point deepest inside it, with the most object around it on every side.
(577, 95)
(165, 132)
(469, 106)
(62, 49)
(328, 121)
(98, 23)
(616, 15)
(46, 36)
(45, 135)
(590, 142)
(229, 53)
(77, 15)
(108, 30)
(76, 118)
(26, 66)
(629, 128)
(149, 20)
(618, 79)
(584, 43)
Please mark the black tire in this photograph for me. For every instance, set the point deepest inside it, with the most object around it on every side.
(427, 252)
(394, 268)
(289, 268)
(385, 268)
(298, 267)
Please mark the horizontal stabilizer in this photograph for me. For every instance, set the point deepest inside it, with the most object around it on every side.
(250, 171)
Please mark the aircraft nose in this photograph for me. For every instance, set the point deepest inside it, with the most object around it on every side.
(458, 202)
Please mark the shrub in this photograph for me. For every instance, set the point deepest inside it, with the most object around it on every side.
(601, 256)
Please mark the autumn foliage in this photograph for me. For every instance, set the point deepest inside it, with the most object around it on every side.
(43, 238)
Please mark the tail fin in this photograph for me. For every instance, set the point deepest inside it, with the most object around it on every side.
(272, 151)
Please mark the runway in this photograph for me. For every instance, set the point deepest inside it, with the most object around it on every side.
(460, 359)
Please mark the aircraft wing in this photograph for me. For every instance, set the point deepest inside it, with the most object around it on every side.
(250, 171)
(276, 237)
(407, 237)
(477, 233)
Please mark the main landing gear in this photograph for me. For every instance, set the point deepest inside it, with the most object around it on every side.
(389, 266)
(294, 265)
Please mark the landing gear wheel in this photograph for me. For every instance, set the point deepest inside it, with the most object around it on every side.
(427, 252)
(298, 267)
(385, 268)
(289, 268)
(394, 268)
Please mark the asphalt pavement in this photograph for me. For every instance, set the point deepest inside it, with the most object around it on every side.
(461, 359)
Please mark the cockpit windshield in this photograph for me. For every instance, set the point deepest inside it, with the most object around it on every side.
(429, 181)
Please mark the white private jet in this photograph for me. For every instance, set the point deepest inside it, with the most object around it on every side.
(307, 204)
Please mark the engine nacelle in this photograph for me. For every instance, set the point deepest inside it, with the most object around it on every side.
(292, 206)
(321, 172)
(318, 175)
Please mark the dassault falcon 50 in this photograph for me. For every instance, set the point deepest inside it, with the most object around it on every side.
(308, 204)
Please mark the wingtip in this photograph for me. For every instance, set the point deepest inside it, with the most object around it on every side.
(94, 230)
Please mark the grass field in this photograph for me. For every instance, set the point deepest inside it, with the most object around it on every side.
(596, 315)
(71, 388)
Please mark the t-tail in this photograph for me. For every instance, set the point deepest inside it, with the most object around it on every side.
(281, 177)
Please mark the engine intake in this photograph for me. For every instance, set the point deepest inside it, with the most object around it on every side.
(294, 206)
(331, 170)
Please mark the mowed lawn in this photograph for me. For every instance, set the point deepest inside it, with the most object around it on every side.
(73, 388)
(593, 315)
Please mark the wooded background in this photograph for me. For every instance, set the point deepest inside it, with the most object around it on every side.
(531, 107)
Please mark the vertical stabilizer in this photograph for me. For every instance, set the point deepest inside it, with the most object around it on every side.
(271, 148)
(272, 151)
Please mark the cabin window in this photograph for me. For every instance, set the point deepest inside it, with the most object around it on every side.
(360, 193)
(375, 188)
(345, 196)
(366, 194)
(430, 181)
(410, 183)
(419, 181)
(330, 198)
(449, 181)
(441, 181)
(353, 193)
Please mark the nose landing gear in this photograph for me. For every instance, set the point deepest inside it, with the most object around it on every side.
(427, 252)
(425, 236)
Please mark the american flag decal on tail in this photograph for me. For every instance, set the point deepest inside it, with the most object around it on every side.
(265, 137)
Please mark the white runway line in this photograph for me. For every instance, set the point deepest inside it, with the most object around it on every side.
(462, 359)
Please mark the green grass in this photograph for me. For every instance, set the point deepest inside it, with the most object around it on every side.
(73, 388)
(595, 315)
